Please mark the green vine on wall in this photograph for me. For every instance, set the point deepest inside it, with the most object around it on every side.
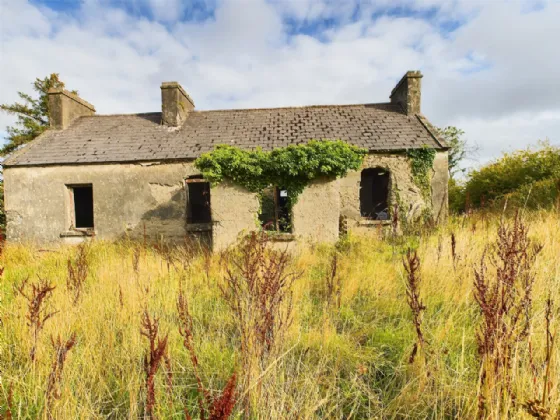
(291, 167)
(422, 162)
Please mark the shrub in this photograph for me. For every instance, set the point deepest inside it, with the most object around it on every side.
(514, 174)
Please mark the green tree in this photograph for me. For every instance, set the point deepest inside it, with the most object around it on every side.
(32, 114)
(458, 148)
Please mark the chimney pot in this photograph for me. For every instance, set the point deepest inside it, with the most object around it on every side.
(65, 107)
(175, 104)
(407, 92)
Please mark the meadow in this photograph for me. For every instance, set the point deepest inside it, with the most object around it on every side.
(374, 327)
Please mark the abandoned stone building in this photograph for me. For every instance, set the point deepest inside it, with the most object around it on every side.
(111, 176)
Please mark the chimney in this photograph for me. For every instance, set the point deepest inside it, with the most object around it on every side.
(407, 92)
(175, 104)
(65, 107)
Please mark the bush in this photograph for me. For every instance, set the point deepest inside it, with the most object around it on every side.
(514, 175)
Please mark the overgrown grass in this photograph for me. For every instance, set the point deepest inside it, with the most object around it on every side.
(346, 353)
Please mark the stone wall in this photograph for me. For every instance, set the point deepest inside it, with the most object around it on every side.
(402, 190)
(440, 179)
(150, 199)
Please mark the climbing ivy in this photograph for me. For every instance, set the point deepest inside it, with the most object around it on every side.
(291, 167)
(422, 162)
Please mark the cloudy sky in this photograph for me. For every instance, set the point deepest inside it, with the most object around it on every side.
(490, 67)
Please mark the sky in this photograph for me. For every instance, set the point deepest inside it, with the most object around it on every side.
(490, 67)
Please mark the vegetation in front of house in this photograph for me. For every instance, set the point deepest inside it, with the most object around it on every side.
(366, 329)
(292, 167)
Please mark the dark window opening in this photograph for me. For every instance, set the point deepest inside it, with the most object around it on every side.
(374, 194)
(275, 210)
(83, 206)
(198, 205)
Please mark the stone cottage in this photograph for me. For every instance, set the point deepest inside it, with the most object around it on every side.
(133, 175)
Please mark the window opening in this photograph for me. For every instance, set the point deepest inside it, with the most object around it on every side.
(198, 200)
(275, 210)
(82, 197)
(374, 194)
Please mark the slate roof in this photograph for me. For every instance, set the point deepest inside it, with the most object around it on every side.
(141, 137)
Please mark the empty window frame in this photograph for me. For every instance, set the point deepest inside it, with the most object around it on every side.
(81, 197)
(275, 212)
(198, 200)
(374, 194)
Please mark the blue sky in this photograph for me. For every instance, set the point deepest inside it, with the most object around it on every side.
(489, 66)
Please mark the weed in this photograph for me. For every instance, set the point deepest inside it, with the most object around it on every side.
(157, 353)
(257, 288)
(7, 414)
(411, 264)
(37, 296)
(333, 283)
(505, 301)
(77, 272)
(54, 381)
(211, 408)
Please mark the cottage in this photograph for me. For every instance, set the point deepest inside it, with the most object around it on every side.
(133, 175)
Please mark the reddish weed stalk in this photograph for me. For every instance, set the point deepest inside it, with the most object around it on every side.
(37, 296)
(211, 408)
(257, 288)
(54, 381)
(454, 256)
(539, 407)
(505, 301)
(411, 264)
(157, 353)
(77, 272)
(7, 414)
(333, 283)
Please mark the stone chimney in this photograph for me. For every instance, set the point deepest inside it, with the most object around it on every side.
(65, 107)
(407, 92)
(175, 104)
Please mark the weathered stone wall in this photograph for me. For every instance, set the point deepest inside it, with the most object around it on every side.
(315, 217)
(65, 107)
(408, 92)
(440, 178)
(402, 190)
(234, 211)
(138, 199)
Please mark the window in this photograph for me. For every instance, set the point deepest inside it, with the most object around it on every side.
(198, 200)
(374, 194)
(82, 206)
(275, 210)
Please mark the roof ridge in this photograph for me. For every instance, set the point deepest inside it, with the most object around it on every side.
(247, 109)
(134, 114)
(295, 107)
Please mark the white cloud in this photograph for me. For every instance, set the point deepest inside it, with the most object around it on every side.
(495, 76)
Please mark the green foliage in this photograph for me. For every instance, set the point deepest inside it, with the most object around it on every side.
(291, 167)
(456, 192)
(458, 147)
(514, 175)
(422, 162)
(32, 114)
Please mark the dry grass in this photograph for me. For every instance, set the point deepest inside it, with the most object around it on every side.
(351, 361)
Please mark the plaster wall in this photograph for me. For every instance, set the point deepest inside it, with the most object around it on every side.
(137, 199)
(402, 190)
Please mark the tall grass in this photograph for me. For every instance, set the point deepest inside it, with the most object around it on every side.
(346, 359)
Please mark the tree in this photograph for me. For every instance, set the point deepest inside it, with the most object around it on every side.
(459, 149)
(32, 114)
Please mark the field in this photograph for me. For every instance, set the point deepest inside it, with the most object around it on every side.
(332, 332)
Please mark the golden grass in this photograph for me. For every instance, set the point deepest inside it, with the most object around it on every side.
(342, 362)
